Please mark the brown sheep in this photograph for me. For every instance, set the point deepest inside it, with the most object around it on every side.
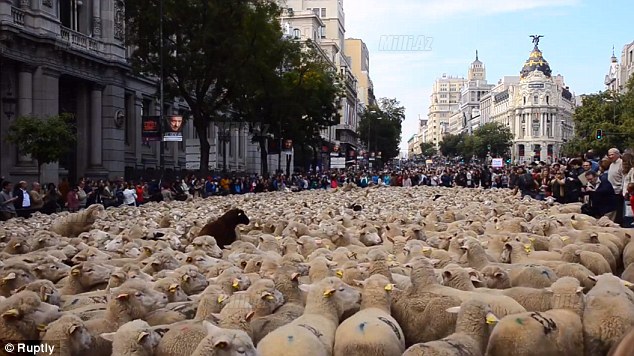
(74, 224)
(223, 229)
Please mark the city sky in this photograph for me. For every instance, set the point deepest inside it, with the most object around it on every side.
(577, 42)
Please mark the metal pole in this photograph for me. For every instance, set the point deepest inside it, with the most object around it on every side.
(162, 147)
(279, 154)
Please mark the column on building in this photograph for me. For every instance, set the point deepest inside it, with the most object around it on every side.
(96, 96)
(45, 104)
(137, 101)
(25, 91)
(96, 18)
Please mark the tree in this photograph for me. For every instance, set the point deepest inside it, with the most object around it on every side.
(611, 112)
(428, 149)
(449, 146)
(380, 127)
(209, 48)
(494, 138)
(46, 140)
(297, 101)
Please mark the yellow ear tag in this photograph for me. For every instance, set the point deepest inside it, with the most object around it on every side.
(41, 327)
(270, 297)
(491, 318)
(221, 299)
(236, 284)
(340, 273)
(278, 237)
(389, 287)
(329, 293)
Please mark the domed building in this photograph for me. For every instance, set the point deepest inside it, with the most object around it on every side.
(537, 107)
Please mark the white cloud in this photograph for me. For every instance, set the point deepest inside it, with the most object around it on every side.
(408, 76)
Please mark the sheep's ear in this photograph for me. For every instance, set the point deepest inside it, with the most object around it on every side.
(249, 316)
(123, 296)
(142, 336)
(9, 277)
(626, 283)
(294, 276)
(267, 296)
(548, 289)
(107, 336)
(11, 313)
(72, 329)
(498, 275)
(221, 298)
(579, 289)
(578, 253)
(211, 328)
(221, 344)
(446, 274)
(593, 278)
(508, 246)
(173, 287)
(305, 287)
(185, 277)
(75, 271)
(454, 310)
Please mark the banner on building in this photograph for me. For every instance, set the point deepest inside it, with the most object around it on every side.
(352, 154)
(173, 129)
(150, 128)
(273, 147)
(335, 151)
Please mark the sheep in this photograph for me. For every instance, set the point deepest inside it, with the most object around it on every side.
(471, 336)
(224, 342)
(45, 289)
(223, 229)
(128, 271)
(555, 332)
(134, 338)
(422, 270)
(314, 332)
(372, 330)
(51, 269)
(181, 339)
(13, 277)
(161, 261)
(23, 315)
(286, 282)
(70, 336)
(132, 300)
(85, 276)
(495, 277)
(608, 303)
(74, 224)
(205, 243)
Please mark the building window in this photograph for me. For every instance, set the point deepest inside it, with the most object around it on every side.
(535, 99)
(323, 12)
(69, 13)
(547, 99)
(524, 100)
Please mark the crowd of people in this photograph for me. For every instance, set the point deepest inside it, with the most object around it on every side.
(605, 186)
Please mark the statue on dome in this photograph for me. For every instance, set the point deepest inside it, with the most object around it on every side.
(536, 39)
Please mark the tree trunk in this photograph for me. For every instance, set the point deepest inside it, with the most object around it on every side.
(201, 126)
(39, 172)
(288, 164)
(263, 155)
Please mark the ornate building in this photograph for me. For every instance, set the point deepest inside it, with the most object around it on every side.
(538, 109)
(619, 73)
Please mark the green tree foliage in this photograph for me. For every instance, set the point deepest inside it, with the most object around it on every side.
(493, 138)
(210, 47)
(611, 112)
(381, 125)
(46, 140)
(450, 143)
(297, 101)
(428, 149)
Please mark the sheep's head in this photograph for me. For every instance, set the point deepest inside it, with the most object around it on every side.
(90, 274)
(225, 342)
(53, 270)
(333, 289)
(192, 280)
(45, 289)
(136, 337)
(72, 328)
(238, 216)
(137, 299)
(27, 314)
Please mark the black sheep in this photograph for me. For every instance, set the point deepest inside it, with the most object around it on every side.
(223, 228)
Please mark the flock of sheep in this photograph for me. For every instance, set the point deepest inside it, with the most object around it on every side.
(378, 271)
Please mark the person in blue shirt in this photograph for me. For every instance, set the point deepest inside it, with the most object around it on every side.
(387, 179)
(375, 179)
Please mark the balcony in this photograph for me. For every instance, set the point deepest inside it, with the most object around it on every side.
(78, 40)
(18, 16)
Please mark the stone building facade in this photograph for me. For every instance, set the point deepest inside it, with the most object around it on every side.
(68, 56)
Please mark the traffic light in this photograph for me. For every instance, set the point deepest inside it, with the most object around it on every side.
(599, 134)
